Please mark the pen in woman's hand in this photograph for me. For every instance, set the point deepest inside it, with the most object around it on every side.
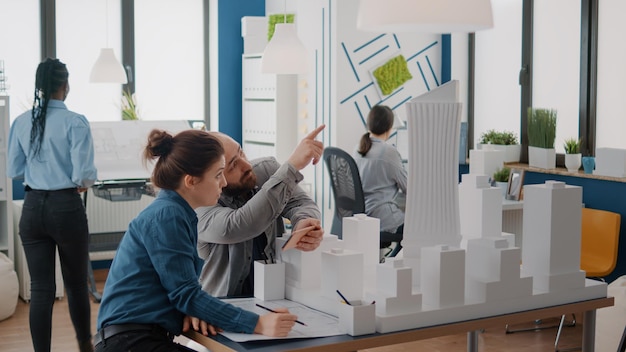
(273, 311)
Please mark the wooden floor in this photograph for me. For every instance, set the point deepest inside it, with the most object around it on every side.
(15, 334)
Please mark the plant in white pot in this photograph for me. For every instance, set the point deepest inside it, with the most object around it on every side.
(501, 140)
(541, 135)
(572, 154)
(501, 179)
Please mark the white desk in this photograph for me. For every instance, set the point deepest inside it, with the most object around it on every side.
(345, 343)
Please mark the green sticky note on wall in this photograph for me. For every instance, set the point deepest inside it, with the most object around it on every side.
(392, 74)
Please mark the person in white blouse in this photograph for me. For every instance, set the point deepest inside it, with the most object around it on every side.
(383, 176)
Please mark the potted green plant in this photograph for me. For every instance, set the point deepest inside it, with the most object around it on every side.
(505, 141)
(501, 178)
(572, 154)
(541, 136)
(129, 106)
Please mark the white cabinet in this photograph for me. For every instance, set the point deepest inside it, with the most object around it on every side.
(6, 189)
(269, 111)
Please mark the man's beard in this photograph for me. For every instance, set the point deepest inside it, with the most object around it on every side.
(246, 184)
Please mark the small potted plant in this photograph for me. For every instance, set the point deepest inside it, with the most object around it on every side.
(541, 136)
(501, 179)
(129, 106)
(572, 154)
(501, 140)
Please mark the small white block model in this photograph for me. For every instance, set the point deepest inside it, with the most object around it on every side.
(295, 260)
(493, 271)
(395, 289)
(358, 318)
(443, 277)
(552, 233)
(342, 269)
(480, 208)
(485, 161)
(361, 233)
(269, 280)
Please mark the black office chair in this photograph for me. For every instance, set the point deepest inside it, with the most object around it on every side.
(347, 190)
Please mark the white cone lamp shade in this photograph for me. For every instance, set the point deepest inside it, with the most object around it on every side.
(424, 16)
(108, 69)
(285, 53)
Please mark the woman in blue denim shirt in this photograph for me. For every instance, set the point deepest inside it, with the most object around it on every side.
(152, 289)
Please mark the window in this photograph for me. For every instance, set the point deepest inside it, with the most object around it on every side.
(169, 59)
(611, 103)
(556, 64)
(498, 61)
(167, 48)
(20, 53)
(78, 44)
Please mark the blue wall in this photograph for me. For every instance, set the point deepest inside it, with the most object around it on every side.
(230, 49)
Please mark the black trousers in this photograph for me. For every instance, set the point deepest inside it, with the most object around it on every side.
(51, 220)
(140, 341)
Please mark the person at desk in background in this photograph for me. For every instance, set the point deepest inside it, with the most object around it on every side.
(51, 149)
(153, 280)
(383, 176)
(244, 224)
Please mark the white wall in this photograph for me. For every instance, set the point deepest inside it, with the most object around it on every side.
(339, 90)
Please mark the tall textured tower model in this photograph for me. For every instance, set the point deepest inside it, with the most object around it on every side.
(432, 206)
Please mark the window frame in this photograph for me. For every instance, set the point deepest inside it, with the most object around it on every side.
(48, 43)
(588, 78)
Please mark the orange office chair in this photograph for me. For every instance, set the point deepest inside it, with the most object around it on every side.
(598, 248)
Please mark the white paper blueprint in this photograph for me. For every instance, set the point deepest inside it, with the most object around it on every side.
(319, 324)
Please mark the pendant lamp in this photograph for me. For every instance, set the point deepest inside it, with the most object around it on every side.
(285, 53)
(107, 68)
(425, 16)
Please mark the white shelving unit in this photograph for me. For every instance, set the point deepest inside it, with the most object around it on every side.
(6, 189)
(269, 111)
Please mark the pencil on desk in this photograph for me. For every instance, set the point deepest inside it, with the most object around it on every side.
(344, 298)
(273, 311)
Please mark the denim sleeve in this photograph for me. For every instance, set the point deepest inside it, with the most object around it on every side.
(172, 249)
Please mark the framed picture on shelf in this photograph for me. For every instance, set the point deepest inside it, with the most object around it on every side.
(515, 186)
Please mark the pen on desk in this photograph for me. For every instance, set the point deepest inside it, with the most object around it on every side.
(344, 298)
(273, 311)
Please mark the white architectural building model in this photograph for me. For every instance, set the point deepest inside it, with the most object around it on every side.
(437, 281)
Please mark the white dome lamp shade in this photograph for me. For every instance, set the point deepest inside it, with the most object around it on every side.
(424, 16)
(285, 53)
(108, 69)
